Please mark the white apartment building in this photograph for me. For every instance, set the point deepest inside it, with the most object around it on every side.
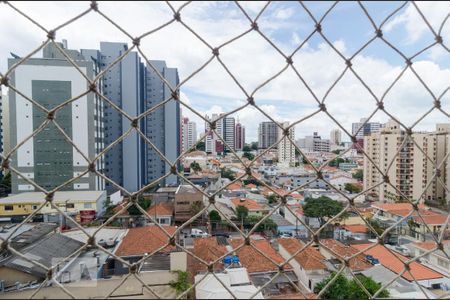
(411, 171)
(335, 137)
(368, 128)
(188, 134)
(314, 143)
(286, 149)
(225, 128)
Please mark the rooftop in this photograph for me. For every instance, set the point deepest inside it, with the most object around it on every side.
(209, 250)
(161, 209)
(356, 228)
(248, 203)
(59, 197)
(310, 258)
(141, 240)
(253, 260)
(357, 263)
(394, 262)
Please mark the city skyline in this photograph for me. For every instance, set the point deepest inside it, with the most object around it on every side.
(213, 91)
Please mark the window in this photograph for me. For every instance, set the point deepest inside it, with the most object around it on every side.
(70, 205)
(9, 207)
(34, 207)
(87, 205)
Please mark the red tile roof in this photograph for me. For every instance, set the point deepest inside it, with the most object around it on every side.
(255, 261)
(141, 240)
(248, 203)
(430, 219)
(356, 228)
(209, 250)
(234, 186)
(251, 186)
(429, 245)
(393, 261)
(396, 207)
(309, 259)
(357, 263)
(161, 209)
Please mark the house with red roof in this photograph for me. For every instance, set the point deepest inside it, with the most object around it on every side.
(395, 263)
(309, 264)
(254, 208)
(162, 213)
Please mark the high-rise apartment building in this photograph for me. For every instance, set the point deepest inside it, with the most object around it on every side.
(124, 86)
(413, 167)
(240, 136)
(314, 143)
(267, 135)
(335, 137)
(188, 134)
(286, 149)
(368, 128)
(48, 158)
(225, 128)
(163, 126)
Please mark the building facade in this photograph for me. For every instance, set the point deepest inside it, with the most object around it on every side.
(48, 158)
(267, 134)
(188, 134)
(368, 128)
(225, 129)
(286, 149)
(314, 143)
(240, 136)
(163, 126)
(413, 167)
(335, 137)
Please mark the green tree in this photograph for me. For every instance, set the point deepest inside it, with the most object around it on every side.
(267, 224)
(214, 216)
(254, 145)
(226, 173)
(335, 162)
(241, 212)
(343, 288)
(352, 188)
(246, 148)
(272, 198)
(5, 185)
(200, 146)
(359, 175)
(143, 202)
(322, 208)
(336, 151)
(182, 282)
(108, 208)
(248, 155)
(195, 166)
(305, 162)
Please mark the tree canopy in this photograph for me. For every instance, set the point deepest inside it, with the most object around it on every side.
(343, 288)
(248, 155)
(195, 166)
(214, 216)
(322, 208)
(143, 202)
(226, 173)
(352, 188)
(241, 212)
(200, 146)
(359, 175)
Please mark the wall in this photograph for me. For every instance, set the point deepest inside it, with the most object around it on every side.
(11, 276)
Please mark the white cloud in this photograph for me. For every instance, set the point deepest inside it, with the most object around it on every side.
(251, 59)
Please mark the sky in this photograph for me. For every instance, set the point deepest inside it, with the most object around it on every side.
(253, 60)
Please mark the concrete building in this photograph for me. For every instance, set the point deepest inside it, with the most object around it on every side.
(188, 134)
(225, 129)
(412, 171)
(186, 198)
(240, 136)
(314, 143)
(85, 204)
(47, 158)
(335, 137)
(286, 149)
(162, 125)
(368, 128)
(267, 134)
(123, 85)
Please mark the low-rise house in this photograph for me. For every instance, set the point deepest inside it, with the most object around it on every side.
(438, 260)
(48, 251)
(208, 249)
(162, 213)
(234, 280)
(186, 197)
(336, 251)
(82, 205)
(354, 231)
(395, 262)
(142, 241)
(308, 265)
(254, 208)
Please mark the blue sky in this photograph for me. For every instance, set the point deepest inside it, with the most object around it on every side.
(252, 60)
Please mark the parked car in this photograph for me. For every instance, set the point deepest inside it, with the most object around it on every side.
(195, 232)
